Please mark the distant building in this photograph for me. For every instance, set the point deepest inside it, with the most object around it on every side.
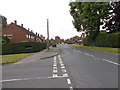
(18, 33)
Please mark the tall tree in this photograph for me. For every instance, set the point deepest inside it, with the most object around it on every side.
(90, 16)
(3, 21)
(113, 21)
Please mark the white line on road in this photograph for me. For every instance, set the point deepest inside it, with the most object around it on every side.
(55, 58)
(65, 75)
(92, 55)
(54, 71)
(63, 67)
(64, 70)
(54, 67)
(55, 75)
(71, 88)
(11, 80)
(68, 81)
(111, 62)
(59, 57)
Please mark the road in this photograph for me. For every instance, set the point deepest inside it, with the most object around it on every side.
(72, 68)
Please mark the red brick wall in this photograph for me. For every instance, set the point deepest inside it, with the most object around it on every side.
(17, 34)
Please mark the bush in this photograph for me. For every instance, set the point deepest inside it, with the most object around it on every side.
(104, 40)
(22, 47)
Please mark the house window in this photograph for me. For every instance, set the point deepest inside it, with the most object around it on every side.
(32, 37)
(4, 35)
(27, 35)
(9, 36)
(37, 39)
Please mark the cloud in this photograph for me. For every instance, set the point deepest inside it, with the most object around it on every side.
(34, 13)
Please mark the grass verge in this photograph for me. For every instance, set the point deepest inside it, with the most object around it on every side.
(12, 58)
(103, 49)
(52, 50)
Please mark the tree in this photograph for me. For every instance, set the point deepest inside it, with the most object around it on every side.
(3, 22)
(113, 21)
(88, 16)
(57, 37)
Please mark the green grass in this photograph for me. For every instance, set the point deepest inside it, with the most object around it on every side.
(52, 50)
(103, 49)
(12, 58)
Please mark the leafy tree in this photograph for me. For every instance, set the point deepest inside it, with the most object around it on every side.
(88, 16)
(3, 22)
(113, 21)
(57, 37)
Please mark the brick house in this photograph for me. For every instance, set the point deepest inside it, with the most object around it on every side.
(17, 33)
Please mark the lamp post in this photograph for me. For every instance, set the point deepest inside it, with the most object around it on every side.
(47, 34)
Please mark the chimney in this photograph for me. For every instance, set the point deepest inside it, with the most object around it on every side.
(22, 25)
(38, 35)
(31, 30)
(28, 29)
(15, 22)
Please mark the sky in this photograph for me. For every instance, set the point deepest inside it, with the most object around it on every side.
(33, 14)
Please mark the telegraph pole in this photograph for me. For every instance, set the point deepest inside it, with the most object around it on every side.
(47, 34)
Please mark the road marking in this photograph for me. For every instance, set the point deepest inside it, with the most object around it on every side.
(62, 64)
(92, 55)
(68, 81)
(22, 79)
(65, 75)
(63, 67)
(64, 70)
(11, 80)
(59, 57)
(55, 75)
(87, 54)
(55, 57)
(71, 88)
(54, 71)
(111, 62)
(54, 67)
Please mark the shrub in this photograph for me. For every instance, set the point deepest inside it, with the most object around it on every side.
(104, 40)
(22, 47)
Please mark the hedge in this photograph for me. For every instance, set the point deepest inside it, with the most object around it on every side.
(104, 40)
(23, 47)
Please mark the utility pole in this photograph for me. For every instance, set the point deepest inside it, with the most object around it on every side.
(47, 34)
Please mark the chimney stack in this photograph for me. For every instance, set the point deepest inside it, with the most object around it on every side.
(31, 30)
(15, 22)
(22, 25)
(36, 33)
(28, 29)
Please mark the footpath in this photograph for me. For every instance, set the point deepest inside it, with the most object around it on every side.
(40, 55)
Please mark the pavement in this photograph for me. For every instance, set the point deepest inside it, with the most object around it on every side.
(71, 68)
(39, 55)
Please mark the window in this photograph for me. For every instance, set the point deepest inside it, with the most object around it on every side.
(4, 35)
(9, 36)
(27, 36)
(32, 37)
(37, 39)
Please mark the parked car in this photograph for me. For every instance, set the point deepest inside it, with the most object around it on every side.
(54, 45)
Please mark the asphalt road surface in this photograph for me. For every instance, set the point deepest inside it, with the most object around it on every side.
(72, 68)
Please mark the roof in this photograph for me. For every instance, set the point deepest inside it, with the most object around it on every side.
(28, 32)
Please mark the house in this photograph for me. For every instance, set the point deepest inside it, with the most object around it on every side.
(17, 33)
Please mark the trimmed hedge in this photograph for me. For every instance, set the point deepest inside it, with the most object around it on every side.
(23, 47)
(104, 40)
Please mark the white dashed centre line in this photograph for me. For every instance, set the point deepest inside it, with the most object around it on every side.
(68, 81)
(111, 62)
